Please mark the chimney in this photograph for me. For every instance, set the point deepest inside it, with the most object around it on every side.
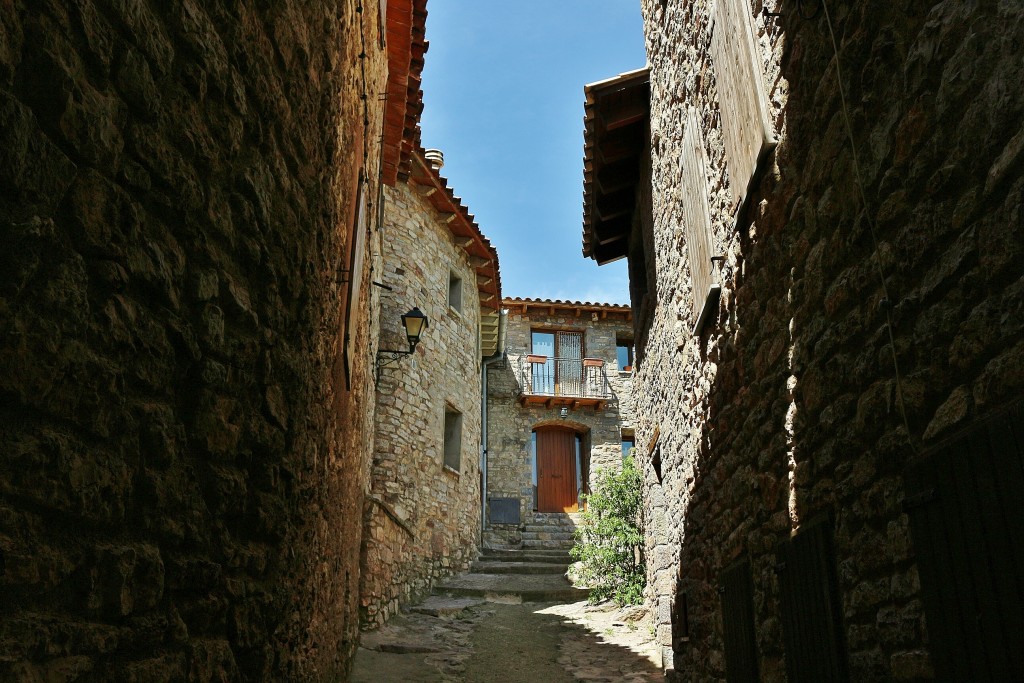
(435, 158)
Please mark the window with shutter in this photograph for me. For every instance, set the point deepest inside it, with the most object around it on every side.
(746, 123)
(354, 279)
(737, 591)
(811, 614)
(697, 223)
(967, 523)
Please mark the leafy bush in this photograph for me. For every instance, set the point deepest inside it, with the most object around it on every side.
(610, 538)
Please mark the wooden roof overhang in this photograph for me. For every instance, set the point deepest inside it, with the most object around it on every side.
(406, 47)
(616, 118)
(552, 307)
(483, 257)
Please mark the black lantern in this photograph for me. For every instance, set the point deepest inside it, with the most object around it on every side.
(414, 323)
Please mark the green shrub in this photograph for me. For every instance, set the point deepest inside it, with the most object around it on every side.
(610, 538)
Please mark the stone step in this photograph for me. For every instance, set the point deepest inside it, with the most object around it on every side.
(564, 545)
(513, 589)
(437, 606)
(543, 528)
(543, 555)
(546, 536)
(492, 567)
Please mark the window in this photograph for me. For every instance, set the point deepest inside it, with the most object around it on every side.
(454, 291)
(557, 363)
(624, 354)
(736, 590)
(963, 501)
(628, 444)
(812, 614)
(452, 438)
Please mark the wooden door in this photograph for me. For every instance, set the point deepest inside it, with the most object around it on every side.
(556, 470)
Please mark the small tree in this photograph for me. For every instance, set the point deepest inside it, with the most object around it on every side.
(610, 538)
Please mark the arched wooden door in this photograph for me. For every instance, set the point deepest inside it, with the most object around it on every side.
(556, 470)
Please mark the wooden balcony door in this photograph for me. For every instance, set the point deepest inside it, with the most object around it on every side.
(556, 470)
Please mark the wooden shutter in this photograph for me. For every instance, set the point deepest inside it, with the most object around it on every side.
(697, 221)
(966, 508)
(355, 280)
(737, 591)
(747, 129)
(570, 367)
(811, 616)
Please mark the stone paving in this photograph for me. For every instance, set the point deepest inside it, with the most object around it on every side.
(444, 640)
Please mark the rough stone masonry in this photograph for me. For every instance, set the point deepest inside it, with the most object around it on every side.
(786, 409)
(181, 472)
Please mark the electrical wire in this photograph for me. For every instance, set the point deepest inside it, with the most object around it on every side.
(887, 301)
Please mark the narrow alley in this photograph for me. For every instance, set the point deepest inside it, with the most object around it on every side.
(274, 409)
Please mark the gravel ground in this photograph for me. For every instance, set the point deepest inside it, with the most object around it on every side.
(512, 643)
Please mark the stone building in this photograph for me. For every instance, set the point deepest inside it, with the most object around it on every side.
(558, 409)
(187, 191)
(821, 207)
(423, 512)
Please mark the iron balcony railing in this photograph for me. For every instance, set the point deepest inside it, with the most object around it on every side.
(563, 377)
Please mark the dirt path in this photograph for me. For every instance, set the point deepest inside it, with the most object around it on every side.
(527, 643)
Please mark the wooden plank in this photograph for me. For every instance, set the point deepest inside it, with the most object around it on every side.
(931, 549)
(355, 282)
(556, 470)
(747, 129)
(1005, 488)
(971, 458)
(964, 584)
(811, 616)
(696, 212)
(737, 600)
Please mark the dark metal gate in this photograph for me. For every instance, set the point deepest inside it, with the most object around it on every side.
(737, 591)
(811, 613)
(966, 508)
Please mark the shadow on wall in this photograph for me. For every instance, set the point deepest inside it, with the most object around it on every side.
(806, 417)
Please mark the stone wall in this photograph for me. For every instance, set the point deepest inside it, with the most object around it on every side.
(510, 425)
(423, 521)
(789, 406)
(182, 477)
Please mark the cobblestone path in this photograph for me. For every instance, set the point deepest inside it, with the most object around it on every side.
(448, 640)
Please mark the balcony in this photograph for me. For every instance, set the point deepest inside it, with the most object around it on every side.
(573, 382)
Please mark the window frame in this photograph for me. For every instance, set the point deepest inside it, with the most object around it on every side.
(455, 284)
(451, 439)
(556, 332)
(630, 354)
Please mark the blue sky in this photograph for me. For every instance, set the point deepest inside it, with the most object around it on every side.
(503, 99)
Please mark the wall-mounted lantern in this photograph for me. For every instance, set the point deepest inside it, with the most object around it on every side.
(414, 323)
(564, 412)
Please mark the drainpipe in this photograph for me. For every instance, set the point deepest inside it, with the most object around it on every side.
(498, 355)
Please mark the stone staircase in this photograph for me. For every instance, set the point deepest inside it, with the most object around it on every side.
(550, 530)
(535, 572)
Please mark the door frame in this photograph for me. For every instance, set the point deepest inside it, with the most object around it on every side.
(577, 464)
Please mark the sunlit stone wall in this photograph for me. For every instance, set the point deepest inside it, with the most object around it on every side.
(423, 517)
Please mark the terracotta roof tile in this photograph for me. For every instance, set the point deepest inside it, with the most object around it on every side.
(462, 224)
(519, 301)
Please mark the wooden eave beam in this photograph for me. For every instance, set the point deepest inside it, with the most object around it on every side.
(624, 112)
(612, 177)
(616, 204)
